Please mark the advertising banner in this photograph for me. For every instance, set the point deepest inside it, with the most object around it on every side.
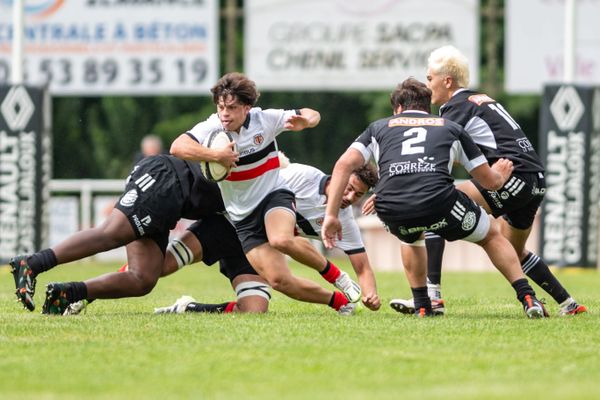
(353, 44)
(109, 47)
(25, 169)
(570, 147)
(534, 44)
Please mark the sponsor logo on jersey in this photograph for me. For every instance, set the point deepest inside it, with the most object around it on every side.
(411, 167)
(258, 139)
(129, 198)
(525, 144)
(319, 221)
(415, 229)
(469, 221)
(411, 121)
(479, 99)
(146, 220)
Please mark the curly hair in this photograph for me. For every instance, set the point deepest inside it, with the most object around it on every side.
(238, 86)
(367, 174)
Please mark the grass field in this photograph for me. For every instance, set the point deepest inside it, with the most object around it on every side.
(484, 348)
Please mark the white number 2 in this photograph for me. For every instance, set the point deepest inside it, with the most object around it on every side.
(408, 146)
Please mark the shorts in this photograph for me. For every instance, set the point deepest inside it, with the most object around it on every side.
(518, 200)
(220, 243)
(251, 230)
(152, 200)
(462, 219)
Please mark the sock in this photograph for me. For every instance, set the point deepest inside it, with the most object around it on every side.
(535, 268)
(435, 251)
(337, 300)
(42, 261)
(76, 291)
(331, 272)
(522, 288)
(421, 299)
(211, 308)
(123, 268)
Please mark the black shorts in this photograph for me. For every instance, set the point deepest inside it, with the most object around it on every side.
(220, 243)
(152, 200)
(518, 200)
(460, 219)
(251, 230)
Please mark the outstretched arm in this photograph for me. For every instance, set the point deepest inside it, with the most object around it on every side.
(348, 162)
(308, 118)
(366, 278)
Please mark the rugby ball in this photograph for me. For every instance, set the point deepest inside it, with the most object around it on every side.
(213, 171)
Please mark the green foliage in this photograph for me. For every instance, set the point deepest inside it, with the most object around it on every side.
(484, 348)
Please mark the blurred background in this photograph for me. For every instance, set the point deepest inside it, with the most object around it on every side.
(113, 72)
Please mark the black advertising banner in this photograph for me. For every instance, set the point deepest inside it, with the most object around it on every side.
(25, 169)
(570, 148)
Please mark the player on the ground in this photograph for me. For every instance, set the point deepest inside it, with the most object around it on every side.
(256, 197)
(160, 190)
(498, 136)
(311, 187)
(415, 151)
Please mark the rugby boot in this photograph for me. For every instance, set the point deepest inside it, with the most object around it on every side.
(350, 288)
(56, 299)
(24, 281)
(533, 307)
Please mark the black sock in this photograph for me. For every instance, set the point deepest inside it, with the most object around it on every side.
(206, 308)
(535, 268)
(421, 299)
(523, 288)
(76, 291)
(42, 261)
(435, 251)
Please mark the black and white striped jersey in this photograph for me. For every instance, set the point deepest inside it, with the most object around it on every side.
(415, 152)
(493, 129)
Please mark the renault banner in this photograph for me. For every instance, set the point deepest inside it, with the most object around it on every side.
(25, 169)
(570, 146)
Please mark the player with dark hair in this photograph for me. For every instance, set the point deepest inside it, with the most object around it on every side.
(256, 197)
(160, 190)
(414, 151)
(311, 188)
(498, 136)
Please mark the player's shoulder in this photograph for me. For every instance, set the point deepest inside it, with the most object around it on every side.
(298, 169)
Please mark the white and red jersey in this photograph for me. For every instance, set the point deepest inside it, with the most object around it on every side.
(308, 184)
(257, 171)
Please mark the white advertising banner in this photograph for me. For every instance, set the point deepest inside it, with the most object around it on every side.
(535, 38)
(116, 47)
(353, 44)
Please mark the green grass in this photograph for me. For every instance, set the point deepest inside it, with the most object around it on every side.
(484, 348)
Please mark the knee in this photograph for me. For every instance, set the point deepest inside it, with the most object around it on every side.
(142, 284)
(282, 243)
(281, 283)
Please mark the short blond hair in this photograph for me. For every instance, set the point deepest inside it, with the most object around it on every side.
(448, 60)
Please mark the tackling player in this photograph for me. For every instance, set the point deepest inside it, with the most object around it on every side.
(160, 190)
(498, 136)
(415, 151)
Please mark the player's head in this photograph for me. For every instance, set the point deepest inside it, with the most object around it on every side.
(234, 94)
(447, 71)
(151, 145)
(411, 95)
(361, 180)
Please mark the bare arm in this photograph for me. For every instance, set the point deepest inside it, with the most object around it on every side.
(495, 177)
(186, 148)
(366, 278)
(347, 163)
(308, 118)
